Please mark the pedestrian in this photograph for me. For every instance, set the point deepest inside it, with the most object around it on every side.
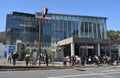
(39, 58)
(68, 59)
(73, 60)
(83, 60)
(27, 58)
(14, 57)
(65, 61)
(89, 60)
(34, 57)
(9, 58)
(97, 61)
(78, 61)
(46, 59)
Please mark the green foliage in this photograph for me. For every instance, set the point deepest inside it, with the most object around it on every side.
(112, 34)
(23, 52)
(2, 37)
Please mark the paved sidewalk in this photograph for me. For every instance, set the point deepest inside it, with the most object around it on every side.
(4, 62)
(21, 65)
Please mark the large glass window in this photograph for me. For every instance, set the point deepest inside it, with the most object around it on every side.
(99, 30)
(86, 29)
(46, 28)
(90, 30)
(94, 30)
(69, 28)
(82, 29)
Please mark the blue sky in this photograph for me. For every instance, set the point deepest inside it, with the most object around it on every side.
(104, 8)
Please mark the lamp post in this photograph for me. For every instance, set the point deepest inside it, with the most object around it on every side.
(109, 43)
(43, 14)
(40, 25)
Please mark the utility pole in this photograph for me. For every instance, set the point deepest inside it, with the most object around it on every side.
(43, 14)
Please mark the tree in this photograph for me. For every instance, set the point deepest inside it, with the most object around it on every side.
(2, 37)
(23, 52)
(112, 34)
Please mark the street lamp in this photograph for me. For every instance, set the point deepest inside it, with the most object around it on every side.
(43, 14)
(109, 45)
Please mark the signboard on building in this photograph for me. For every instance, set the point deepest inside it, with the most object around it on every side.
(11, 48)
(87, 47)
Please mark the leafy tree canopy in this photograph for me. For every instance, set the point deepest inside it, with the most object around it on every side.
(112, 34)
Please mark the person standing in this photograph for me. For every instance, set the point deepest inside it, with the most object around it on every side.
(83, 60)
(9, 58)
(64, 61)
(34, 57)
(73, 60)
(46, 59)
(89, 60)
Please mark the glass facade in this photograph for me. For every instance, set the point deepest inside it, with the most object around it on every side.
(21, 26)
(55, 27)
(64, 26)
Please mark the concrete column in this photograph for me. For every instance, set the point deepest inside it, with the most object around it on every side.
(18, 48)
(72, 49)
(119, 50)
(98, 45)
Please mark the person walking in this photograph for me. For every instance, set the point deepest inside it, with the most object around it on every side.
(27, 58)
(83, 60)
(14, 57)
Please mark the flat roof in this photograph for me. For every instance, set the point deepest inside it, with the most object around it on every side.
(79, 15)
(75, 15)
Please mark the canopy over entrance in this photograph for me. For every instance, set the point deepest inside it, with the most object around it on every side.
(89, 46)
(87, 40)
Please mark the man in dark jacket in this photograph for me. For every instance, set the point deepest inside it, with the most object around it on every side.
(14, 57)
(46, 59)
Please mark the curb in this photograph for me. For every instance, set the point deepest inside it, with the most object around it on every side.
(22, 68)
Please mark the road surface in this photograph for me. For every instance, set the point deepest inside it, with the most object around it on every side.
(94, 72)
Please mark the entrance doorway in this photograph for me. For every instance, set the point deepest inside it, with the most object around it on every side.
(91, 52)
(87, 50)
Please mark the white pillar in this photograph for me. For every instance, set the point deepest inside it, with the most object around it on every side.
(119, 50)
(72, 49)
(98, 45)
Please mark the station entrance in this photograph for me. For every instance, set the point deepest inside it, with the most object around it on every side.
(89, 47)
(80, 50)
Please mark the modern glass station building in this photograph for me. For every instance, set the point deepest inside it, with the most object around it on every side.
(75, 34)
